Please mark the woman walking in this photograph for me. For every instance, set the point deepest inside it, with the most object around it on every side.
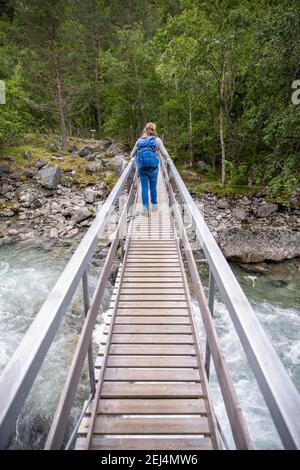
(145, 150)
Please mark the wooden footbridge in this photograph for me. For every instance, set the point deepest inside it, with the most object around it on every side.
(149, 383)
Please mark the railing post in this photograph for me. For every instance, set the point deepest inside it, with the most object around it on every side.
(211, 298)
(86, 301)
(129, 184)
(122, 248)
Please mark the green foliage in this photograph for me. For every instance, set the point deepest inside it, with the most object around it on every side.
(15, 118)
(129, 86)
(280, 188)
(198, 189)
(110, 179)
(236, 173)
(182, 64)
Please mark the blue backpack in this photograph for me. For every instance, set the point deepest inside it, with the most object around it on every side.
(146, 157)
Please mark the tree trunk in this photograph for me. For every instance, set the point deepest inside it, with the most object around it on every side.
(60, 106)
(191, 131)
(98, 110)
(222, 120)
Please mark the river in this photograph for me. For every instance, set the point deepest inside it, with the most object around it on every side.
(29, 271)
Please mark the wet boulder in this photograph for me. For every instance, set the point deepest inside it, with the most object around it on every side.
(120, 164)
(49, 176)
(113, 150)
(82, 213)
(265, 210)
(90, 196)
(91, 169)
(40, 163)
(4, 170)
(85, 151)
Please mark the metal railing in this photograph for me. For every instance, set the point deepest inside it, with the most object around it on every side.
(235, 416)
(280, 394)
(62, 413)
(19, 374)
(277, 388)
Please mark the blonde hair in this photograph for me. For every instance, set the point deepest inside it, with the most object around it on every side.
(150, 129)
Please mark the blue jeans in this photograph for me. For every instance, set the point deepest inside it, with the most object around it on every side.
(149, 177)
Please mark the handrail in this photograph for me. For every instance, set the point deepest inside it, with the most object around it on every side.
(106, 350)
(280, 394)
(61, 416)
(22, 369)
(235, 416)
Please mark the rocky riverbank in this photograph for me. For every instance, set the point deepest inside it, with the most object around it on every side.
(252, 230)
(56, 196)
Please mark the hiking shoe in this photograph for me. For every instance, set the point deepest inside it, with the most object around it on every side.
(154, 207)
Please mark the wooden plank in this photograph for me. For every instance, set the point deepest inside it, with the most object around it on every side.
(148, 245)
(151, 339)
(190, 443)
(152, 262)
(152, 304)
(156, 249)
(164, 222)
(148, 361)
(149, 289)
(153, 225)
(156, 269)
(147, 235)
(150, 281)
(124, 425)
(155, 222)
(156, 230)
(161, 297)
(151, 320)
(161, 390)
(155, 254)
(150, 349)
(151, 233)
(162, 311)
(152, 329)
(162, 281)
(153, 275)
(152, 252)
(154, 243)
(139, 258)
(138, 228)
(148, 406)
(152, 375)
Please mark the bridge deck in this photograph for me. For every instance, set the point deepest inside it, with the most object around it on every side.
(153, 394)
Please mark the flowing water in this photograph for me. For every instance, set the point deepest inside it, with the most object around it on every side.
(275, 298)
(27, 274)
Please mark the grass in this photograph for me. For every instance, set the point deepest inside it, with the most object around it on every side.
(209, 181)
(7, 205)
(110, 179)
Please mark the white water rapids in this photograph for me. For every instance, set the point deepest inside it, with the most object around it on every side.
(27, 274)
